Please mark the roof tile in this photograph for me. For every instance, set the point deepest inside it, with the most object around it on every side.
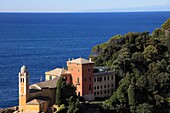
(81, 61)
(35, 102)
(57, 72)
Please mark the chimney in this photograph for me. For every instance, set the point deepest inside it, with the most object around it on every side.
(90, 59)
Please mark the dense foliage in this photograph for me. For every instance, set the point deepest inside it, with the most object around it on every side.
(140, 61)
(166, 25)
(64, 91)
(66, 97)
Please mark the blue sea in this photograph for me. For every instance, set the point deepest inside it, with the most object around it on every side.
(44, 41)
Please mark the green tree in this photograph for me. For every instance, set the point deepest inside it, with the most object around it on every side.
(73, 105)
(168, 41)
(122, 109)
(64, 91)
(62, 109)
(144, 108)
(124, 57)
(166, 24)
(60, 85)
(158, 33)
(131, 97)
(141, 57)
(150, 53)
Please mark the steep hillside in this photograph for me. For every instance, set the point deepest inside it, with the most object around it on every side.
(142, 65)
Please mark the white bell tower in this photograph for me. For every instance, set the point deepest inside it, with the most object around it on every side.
(23, 88)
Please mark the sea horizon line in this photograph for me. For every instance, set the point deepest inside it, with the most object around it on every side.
(81, 11)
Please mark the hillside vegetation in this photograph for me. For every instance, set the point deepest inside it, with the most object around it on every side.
(142, 67)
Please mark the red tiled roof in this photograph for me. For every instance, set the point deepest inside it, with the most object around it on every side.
(57, 72)
(81, 61)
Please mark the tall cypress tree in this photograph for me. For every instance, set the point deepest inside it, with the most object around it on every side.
(64, 91)
(166, 28)
(131, 97)
(167, 34)
(58, 91)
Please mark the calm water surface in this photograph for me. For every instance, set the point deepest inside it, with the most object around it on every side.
(45, 41)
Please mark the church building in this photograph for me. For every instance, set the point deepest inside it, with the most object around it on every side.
(90, 82)
(35, 98)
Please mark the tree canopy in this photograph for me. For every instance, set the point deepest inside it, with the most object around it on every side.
(141, 63)
(64, 91)
(166, 24)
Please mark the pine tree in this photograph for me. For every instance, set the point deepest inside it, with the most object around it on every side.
(168, 41)
(131, 97)
(73, 105)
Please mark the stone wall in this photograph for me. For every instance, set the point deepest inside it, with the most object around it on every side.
(9, 110)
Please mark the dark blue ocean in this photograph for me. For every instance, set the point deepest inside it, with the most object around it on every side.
(44, 41)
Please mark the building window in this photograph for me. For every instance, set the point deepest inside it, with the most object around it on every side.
(101, 92)
(94, 88)
(97, 87)
(105, 91)
(89, 78)
(94, 79)
(108, 91)
(78, 93)
(108, 78)
(108, 86)
(85, 79)
(99, 79)
(78, 80)
(94, 93)
(100, 87)
(104, 86)
(112, 85)
(77, 64)
(71, 69)
(112, 77)
(97, 93)
(78, 70)
(90, 87)
(104, 78)
(20, 79)
(70, 63)
(89, 70)
(50, 78)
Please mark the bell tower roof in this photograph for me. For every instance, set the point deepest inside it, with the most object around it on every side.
(23, 69)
